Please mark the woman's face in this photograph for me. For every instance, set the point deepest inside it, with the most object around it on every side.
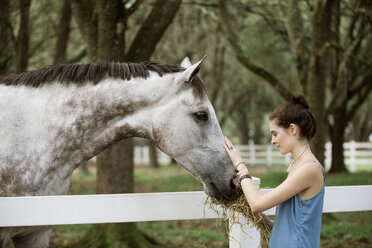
(282, 138)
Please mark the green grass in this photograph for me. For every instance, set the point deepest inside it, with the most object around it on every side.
(347, 230)
(338, 229)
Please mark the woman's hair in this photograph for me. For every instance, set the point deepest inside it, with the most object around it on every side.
(297, 112)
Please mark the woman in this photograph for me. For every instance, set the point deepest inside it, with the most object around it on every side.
(299, 199)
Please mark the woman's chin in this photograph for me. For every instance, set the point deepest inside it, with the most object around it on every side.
(282, 151)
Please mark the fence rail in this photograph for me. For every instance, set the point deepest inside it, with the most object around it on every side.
(114, 208)
(356, 153)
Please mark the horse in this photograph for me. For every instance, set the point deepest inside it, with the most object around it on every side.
(54, 118)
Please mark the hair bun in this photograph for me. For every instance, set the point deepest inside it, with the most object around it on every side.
(300, 99)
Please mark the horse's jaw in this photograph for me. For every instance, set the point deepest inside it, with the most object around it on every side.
(211, 168)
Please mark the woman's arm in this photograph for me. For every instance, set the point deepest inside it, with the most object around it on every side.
(298, 181)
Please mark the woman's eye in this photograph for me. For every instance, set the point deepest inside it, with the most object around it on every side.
(201, 116)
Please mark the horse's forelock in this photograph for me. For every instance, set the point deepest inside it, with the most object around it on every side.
(199, 89)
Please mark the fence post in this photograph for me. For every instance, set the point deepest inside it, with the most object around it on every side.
(352, 155)
(252, 153)
(269, 155)
(328, 155)
(244, 235)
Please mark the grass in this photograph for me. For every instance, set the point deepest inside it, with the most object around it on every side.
(338, 229)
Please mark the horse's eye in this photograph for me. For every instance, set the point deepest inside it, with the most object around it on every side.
(201, 116)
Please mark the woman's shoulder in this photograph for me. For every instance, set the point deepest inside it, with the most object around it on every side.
(312, 168)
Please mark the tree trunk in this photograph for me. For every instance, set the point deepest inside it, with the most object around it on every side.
(242, 124)
(150, 33)
(338, 139)
(153, 154)
(110, 30)
(115, 165)
(6, 43)
(317, 77)
(23, 38)
(85, 14)
(257, 134)
(63, 34)
(362, 127)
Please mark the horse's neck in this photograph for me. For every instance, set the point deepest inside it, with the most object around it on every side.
(68, 124)
(101, 115)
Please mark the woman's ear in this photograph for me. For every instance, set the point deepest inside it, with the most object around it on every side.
(293, 129)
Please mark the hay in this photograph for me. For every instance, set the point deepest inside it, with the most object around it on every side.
(232, 208)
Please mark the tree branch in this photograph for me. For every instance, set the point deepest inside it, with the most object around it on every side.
(78, 57)
(344, 78)
(152, 30)
(368, 11)
(362, 94)
(238, 103)
(213, 5)
(362, 83)
(347, 73)
(294, 25)
(244, 60)
(128, 12)
(271, 20)
(85, 16)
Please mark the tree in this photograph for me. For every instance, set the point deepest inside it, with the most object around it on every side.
(14, 55)
(324, 59)
(361, 127)
(351, 71)
(103, 25)
(60, 54)
(23, 38)
(6, 35)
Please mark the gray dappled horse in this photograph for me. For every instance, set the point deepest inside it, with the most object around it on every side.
(55, 118)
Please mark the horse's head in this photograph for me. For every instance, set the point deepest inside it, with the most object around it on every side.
(186, 128)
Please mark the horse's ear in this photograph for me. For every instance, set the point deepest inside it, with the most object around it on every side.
(191, 71)
(186, 63)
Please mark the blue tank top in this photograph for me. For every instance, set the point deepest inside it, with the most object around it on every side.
(297, 222)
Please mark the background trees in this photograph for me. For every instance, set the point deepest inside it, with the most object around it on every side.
(259, 53)
(325, 44)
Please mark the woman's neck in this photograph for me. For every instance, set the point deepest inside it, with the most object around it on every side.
(301, 151)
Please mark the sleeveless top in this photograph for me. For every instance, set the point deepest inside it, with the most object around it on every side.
(297, 222)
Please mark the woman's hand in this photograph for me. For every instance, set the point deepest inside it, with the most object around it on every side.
(235, 157)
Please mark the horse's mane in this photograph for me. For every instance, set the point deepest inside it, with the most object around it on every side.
(94, 73)
(80, 73)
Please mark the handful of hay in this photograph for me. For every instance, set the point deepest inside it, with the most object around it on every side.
(232, 208)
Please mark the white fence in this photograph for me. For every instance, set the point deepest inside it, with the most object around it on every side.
(142, 156)
(356, 153)
(115, 208)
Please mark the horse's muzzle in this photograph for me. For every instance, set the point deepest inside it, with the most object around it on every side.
(222, 193)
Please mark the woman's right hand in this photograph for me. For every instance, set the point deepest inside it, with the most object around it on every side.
(235, 157)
